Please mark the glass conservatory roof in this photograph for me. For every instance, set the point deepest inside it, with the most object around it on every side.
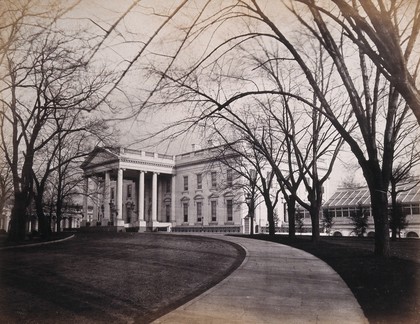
(356, 196)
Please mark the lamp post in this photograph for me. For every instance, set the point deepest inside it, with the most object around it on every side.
(250, 203)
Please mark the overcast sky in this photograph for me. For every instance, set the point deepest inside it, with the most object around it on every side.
(125, 42)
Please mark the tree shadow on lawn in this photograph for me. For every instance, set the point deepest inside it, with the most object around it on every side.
(46, 296)
(77, 281)
(387, 289)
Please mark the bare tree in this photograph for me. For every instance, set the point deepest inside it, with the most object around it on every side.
(387, 32)
(366, 110)
(271, 136)
(47, 85)
(56, 163)
(27, 24)
(6, 185)
(239, 154)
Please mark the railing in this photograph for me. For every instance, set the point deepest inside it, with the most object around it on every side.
(138, 152)
(165, 156)
(207, 229)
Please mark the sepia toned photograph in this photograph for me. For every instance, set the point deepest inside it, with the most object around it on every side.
(210, 161)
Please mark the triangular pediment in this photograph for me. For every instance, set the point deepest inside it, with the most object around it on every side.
(99, 156)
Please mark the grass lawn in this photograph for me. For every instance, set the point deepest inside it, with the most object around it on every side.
(388, 290)
(110, 277)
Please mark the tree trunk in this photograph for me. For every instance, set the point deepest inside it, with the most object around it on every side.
(394, 234)
(409, 91)
(291, 211)
(43, 224)
(379, 202)
(58, 222)
(393, 224)
(270, 218)
(17, 230)
(315, 223)
(58, 213)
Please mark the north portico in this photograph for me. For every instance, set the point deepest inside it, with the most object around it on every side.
(129, 188)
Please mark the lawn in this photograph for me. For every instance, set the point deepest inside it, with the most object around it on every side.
(132, 277)
(110, 277)
(388, 290)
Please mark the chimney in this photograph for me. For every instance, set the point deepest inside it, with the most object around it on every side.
(210, 143)
(193, 147)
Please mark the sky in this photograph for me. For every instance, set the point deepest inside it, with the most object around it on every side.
(125, 42)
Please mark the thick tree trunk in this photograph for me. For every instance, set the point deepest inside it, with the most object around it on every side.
(270, 218)
(315, 223)
(379, 202)
(407, 88)
(17, 230)
(58, 215)
(291, 211)
(22, 187)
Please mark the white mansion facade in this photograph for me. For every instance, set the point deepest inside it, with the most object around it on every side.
(139, 191)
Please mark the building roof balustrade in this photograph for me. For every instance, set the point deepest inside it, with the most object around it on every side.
(132, 151)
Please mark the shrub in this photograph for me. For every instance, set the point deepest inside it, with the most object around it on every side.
(397, 220)
(327, 220)
(359, 218)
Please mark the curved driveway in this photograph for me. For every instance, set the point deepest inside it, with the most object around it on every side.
(274, 284)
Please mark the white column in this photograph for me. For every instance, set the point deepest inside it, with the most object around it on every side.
(95, 202)
(173, 187)
(154, 197)
(107, 196)
(119, 195)
(85, 201)
(141, 196)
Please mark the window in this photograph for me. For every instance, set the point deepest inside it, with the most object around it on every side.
(168, 212)
(229, 178)
(112, 193)
(199, 211)
(229, 210)
(185, 183)
(185, 209)
(407, 209)
(168, 185)
(213, 180)
(129, 191)
(415, 209)
(346, 212)
(213, 211)
(199, 181)
(338, 212)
